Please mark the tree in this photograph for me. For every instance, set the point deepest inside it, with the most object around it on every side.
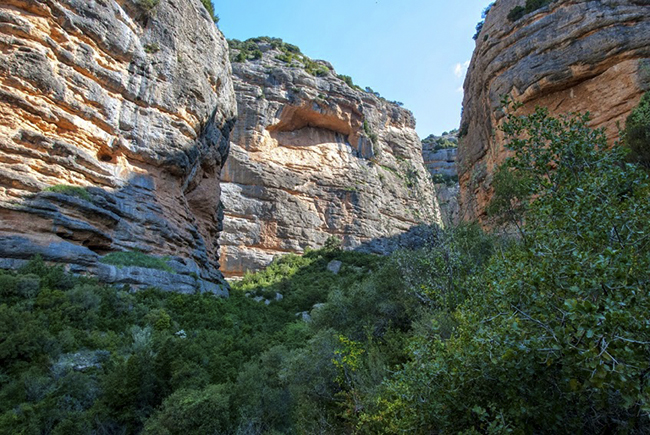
(556, 339)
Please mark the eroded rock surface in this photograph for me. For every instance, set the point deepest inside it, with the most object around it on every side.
(311, 158)
(440, 154)
(570, 56)
(133, 106)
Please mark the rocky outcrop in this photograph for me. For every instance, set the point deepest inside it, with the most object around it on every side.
(313, 157)
(440, 154)
(569, 56)
(114, 125)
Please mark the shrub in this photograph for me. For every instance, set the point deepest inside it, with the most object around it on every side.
(76, 191)
(518, 12)
(210, 8)
(550, 341)
(136, 258)
(147, 5)
(348, 81)
(637, 133)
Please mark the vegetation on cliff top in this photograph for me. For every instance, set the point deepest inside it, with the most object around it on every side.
(250, 50)
(243, 51)
(518, 12)
(545, 332)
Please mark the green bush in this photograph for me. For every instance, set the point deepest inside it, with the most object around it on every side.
(210, 8)
(147, 5)
(548, 339)
(637, 133)
(518, 12)
(136, 258)
(76, 191)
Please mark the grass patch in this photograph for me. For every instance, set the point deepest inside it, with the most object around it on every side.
(137, 258)
(65, 189)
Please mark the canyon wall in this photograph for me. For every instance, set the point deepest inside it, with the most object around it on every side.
(568, 56)
(313, 156)
(114, 125)
(440, 154)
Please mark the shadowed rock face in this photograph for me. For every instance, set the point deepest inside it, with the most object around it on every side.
(571, 56)
(136, 107)
(313, 158)
(440, 154)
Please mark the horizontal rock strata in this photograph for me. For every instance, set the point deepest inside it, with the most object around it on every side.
(114, 126)
(311, 157)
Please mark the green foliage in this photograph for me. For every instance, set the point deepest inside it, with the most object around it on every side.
(471, 333)
(136, 258)
(65, 189)
(548, 340)
(371, 134)
(448, 180)
(479, 25)
(446, 141)
(333, 243)
(348, 81)
(207, 4)
(637, 133)
(518, 12)
(151, 48)
(289, 53)
(147, 5)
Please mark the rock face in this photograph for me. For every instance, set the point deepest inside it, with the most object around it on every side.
(134, 109)
(569, 56)
(312, 157)
(440, 154)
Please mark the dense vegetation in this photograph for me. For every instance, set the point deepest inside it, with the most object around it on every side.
(445, 141)
(546, 331)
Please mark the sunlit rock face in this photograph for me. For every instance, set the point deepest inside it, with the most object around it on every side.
(570, 56)
(311, 158)
(134, 106)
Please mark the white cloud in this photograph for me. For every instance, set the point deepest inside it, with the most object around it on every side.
(460, 69)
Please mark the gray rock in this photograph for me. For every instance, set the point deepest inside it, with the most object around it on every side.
(311, 158)
(136, 108)
(334, 266)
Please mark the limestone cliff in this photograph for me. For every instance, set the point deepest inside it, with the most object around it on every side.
(440, 154)
(114, 125)
(569, 56)
(312, 157)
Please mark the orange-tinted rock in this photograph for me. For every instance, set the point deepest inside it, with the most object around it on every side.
(311, 158)
(136, 107)
(570, 56)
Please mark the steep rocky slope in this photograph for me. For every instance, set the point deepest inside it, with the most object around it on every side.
(114, 126)
(569, 56)
(439, 154)
(313, 157)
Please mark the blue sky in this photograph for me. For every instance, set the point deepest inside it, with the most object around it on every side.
(413, 51)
